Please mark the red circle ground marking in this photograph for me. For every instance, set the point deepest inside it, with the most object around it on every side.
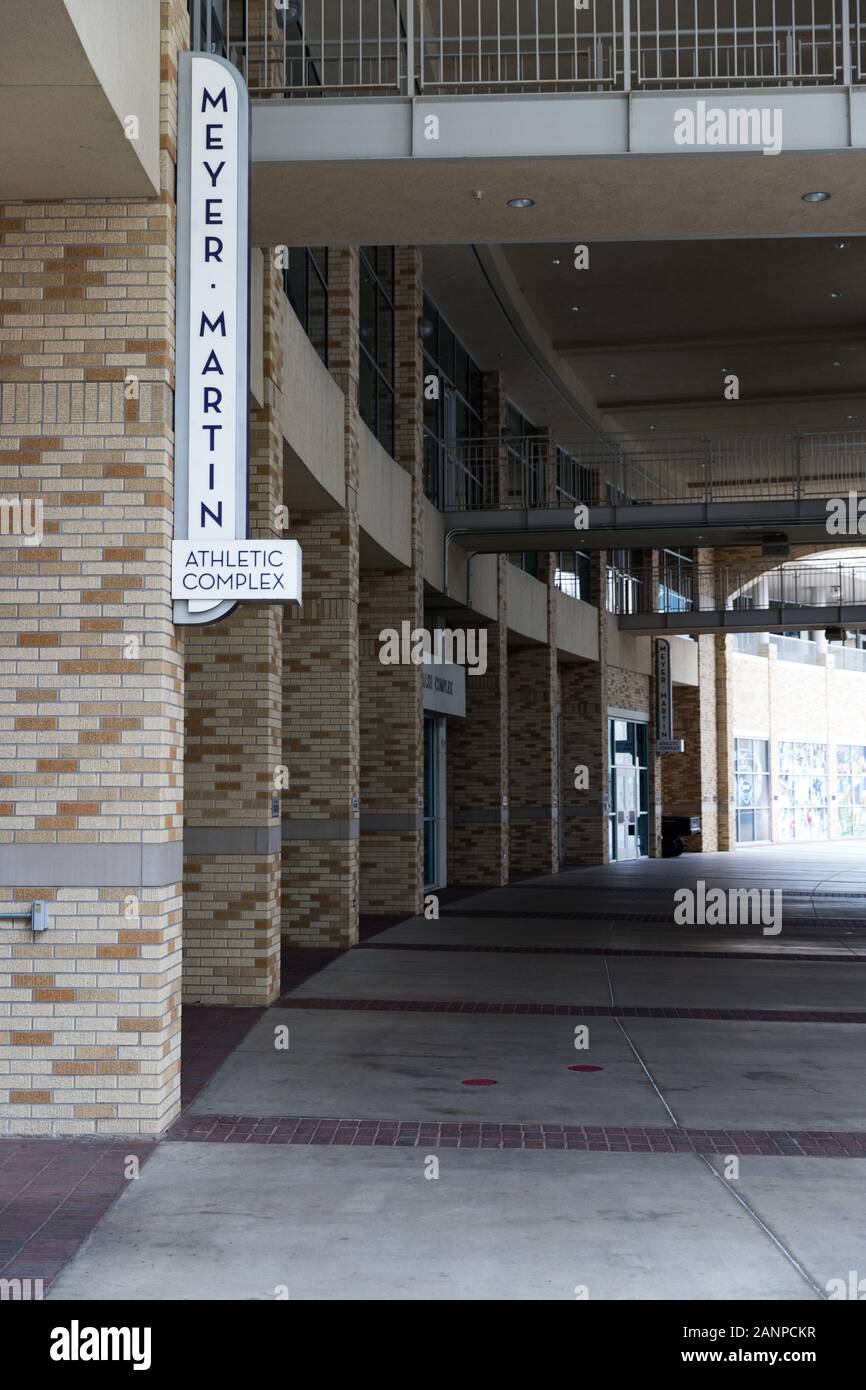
(478, 1081)
(584, 1066)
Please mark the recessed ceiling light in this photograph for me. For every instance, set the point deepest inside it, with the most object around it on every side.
(835, 294)
(556, 262)
(838, 364)
(612, 376)
(575, 308)
(815, 197)
(521, 202)
(842, 245)
(853, 417)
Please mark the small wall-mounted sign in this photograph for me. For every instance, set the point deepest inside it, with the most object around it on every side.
(260, 571)
(670, 745)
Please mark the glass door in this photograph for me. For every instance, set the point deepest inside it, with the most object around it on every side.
(435, 871)
(629, 789)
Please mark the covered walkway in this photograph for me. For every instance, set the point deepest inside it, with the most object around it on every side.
(431, 1130)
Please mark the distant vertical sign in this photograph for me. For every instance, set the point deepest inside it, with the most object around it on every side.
(212, 339)
(664, 690)
(665, 741)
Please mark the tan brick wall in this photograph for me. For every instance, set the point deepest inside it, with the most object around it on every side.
(392, 773)
(477, 767)
(91, 702)
(690, 779)
(234, 748)
(321, 812)
(785, 701)
(533, 804)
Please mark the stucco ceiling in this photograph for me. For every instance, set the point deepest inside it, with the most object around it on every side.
(651, 329)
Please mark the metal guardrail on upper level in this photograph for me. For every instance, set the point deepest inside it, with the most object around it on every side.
(798, 649)
(304, 48)
(704, 589)
(533, 471)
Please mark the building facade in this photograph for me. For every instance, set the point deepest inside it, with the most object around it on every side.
(187, 801)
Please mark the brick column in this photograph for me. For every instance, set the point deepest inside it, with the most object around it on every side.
(477, 765)
(91, 699)
(392, 772)
(689, 779)
(584, 702)
(321, 679)
(233, 748)
(533, 699)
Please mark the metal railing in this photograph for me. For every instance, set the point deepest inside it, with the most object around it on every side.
(303, 48)
(508, 471)
(799, 649)
(848, 658)
(723, 587)
(749, 643)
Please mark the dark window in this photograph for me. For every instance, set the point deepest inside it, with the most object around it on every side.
(454, 457)
(574, 481)
(211, 26)
(306, 283)
(573, 574)
(376, 332)
(627, 573)
(523, 472)
(676, 581)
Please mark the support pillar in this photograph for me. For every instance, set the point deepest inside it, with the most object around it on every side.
(477, 770)
(91, 699)
(584, 701)
(321, 819)
(234, 752)
(533, 696)
(391, 711)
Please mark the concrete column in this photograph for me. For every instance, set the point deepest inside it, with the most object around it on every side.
(391, 715)
(321, 817)
(91, 699)
(477, 766)
(234, 749)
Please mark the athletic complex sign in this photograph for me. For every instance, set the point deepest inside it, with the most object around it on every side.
(215, 564)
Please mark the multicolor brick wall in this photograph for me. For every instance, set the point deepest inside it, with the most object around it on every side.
(477, 766)
(321, 678)
(91, 701)
(320, 712)
(533, 696)
(392, 773)
(234, 750)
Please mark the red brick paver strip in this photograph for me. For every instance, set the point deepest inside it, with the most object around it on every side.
(468, 1006)
(837, 957)
(337, 1132)
(53, 1193)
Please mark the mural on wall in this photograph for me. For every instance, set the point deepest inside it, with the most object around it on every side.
(803, 791)
(753, 789)
(851, 789)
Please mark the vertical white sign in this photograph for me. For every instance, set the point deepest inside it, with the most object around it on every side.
(212, 349)
(664, 691)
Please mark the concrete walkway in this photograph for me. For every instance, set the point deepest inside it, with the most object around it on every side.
(707, 1141)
